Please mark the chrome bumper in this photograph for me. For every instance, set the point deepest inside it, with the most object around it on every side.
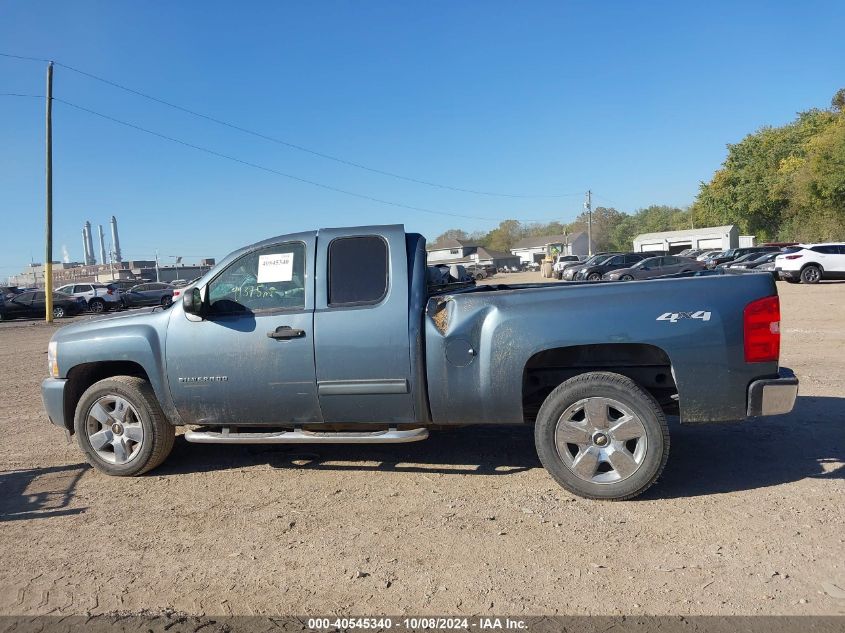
(773, 396)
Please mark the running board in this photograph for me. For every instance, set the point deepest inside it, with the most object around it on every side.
(298, 436)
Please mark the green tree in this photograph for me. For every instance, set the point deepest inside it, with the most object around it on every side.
(504, 236)
(451, 234)
(752, 188)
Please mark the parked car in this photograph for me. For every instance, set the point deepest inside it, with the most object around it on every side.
(149, 294)
(594, 272)
(571, 270)
(689, 252)
(735, 253)
(123, 285)
(562, 261)
(739, 260)
(811, 263)
(33, 304)
(8, 292)
(762, 263)
(478, 271)
(704, 255)
(757, 260)
(98, 297)
(655, 267)
(259, 352)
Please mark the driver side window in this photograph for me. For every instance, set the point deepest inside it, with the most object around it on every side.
(272, 278)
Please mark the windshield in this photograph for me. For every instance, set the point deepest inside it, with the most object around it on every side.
(646, 263)
(598, 259)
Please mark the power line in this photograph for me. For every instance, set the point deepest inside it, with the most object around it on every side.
(271, 170)
(268, 169)
(279, 141)
(30, 59)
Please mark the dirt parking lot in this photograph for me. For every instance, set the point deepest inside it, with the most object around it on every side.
(746, 519)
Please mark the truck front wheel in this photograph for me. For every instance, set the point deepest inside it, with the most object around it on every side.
(121, 428)
(601, 436)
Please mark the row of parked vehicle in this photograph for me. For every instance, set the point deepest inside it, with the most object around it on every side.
(72, 299)
(625, 266)
(795, 263)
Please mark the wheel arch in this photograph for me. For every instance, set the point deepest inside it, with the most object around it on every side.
(81, 377)
(808, 264)
(647, 365)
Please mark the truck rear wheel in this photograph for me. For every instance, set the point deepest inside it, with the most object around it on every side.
(121, 428)
(601, 436)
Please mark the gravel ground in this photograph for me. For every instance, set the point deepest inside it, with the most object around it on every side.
(746, 519)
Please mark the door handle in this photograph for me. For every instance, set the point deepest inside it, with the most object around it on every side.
(285, 332)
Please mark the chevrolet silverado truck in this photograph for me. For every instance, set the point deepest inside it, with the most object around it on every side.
(348, 336)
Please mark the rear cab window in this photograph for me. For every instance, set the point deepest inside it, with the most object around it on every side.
(358, 271)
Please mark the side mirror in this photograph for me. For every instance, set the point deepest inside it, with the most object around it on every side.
(192, 301)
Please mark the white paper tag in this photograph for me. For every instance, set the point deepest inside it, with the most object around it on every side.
(275, 268)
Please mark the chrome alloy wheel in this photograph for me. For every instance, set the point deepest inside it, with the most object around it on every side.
(114, 429)
(601, 440)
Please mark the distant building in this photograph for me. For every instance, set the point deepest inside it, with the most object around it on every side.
(713, 237)
(487, 257)
(450, 250)
(465, 252)
(534, 249)
(136, 270)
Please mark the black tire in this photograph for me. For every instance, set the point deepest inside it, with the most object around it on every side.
(158, 437)
(594, 276)
(97, 305)
(58, 312)
(558, 276)
(626, 278)
(166, 300)
(811, 274)
(624, 391)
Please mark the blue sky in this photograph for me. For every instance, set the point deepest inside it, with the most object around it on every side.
(634, 100)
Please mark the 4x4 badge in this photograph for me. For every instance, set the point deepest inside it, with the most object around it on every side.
(674, 317)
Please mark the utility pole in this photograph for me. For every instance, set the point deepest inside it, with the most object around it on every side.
(588, 205)
(48, 255)
(157, 271)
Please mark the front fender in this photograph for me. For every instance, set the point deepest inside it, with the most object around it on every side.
(135, 338)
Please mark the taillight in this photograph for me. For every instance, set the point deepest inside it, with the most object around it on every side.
(794, 256)
(761, 326)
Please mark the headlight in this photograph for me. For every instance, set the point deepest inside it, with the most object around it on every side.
(52, 361)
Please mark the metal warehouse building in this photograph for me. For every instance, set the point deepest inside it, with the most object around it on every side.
(721, 237)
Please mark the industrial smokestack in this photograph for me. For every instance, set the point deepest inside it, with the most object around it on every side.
(102, 245)
(84, 246)
(89, 241)
(115, 241)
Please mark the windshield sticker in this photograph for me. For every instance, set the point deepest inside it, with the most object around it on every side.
(275, 268)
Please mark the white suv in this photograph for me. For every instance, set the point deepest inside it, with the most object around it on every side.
(812, 262)
(99, 297)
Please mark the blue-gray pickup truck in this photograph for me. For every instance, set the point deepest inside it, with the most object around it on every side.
(347, 335)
